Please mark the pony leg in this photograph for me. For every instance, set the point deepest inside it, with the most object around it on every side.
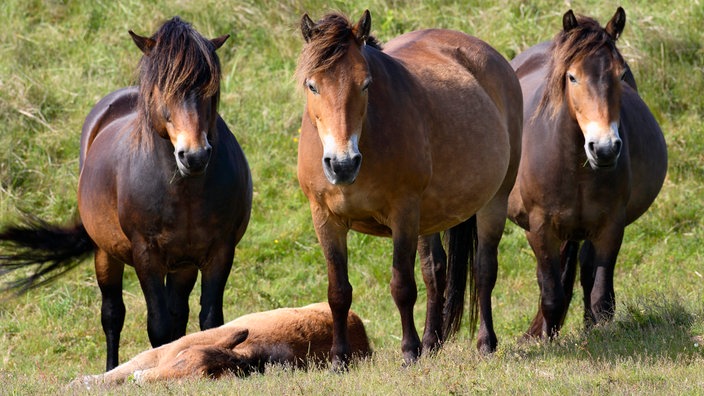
(108, 273)
(433, 263)
(568, 267)
(602, 296)
(586, 278)
(214, 279)
(178, 287)
(552, 296)
(143, 361)
(332, 235)
(404, 290)
(491, 221)
(148, 265)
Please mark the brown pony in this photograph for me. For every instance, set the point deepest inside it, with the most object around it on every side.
(593, 161)
(164, 187)
(407, 142)
(296, 337)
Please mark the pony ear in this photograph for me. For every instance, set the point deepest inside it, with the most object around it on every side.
(569, 21)
(615, 26)
(219, 41)
(145, 44)
(233, 339)
(363, 27)
(307, 27)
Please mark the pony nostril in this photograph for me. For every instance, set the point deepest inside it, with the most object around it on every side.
(181, 155)
(617, 146)
(590, 145)
(356, 161)
(327, 161)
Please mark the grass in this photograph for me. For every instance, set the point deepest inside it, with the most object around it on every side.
(57, 58)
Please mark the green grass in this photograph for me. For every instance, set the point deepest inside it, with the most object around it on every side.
(57, 58)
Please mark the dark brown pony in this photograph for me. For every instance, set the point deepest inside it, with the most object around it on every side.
(593, 161)
(164, 187)
(407, 142)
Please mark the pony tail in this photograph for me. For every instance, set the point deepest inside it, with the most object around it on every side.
(52, 250)
(461, 241)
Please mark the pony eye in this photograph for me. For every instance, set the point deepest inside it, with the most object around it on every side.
(365, 85)
(311, 86)
(572, 78)
(623, 74)
(166, 114)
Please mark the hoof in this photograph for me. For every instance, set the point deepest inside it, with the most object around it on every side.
(431, 344)
(339, 365)
(409, 358)
(486, 346)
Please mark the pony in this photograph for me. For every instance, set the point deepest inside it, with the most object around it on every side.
(406, 142)
(164, 187)
(295, 337)
(593, 161)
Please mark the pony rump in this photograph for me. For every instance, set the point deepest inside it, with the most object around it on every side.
(570, 46)
(180, 62)
(329, 40)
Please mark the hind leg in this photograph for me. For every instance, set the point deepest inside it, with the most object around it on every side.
(109, 272)
(433, 263)
(178, 288)
(586, 278)
(491, 221)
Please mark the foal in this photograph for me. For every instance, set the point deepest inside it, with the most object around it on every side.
(293, 336)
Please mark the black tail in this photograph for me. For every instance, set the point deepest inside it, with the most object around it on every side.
(52, 250)
(461, 241)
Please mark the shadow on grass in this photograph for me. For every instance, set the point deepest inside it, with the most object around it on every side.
(656, 327)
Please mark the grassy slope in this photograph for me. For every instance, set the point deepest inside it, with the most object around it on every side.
(58, 58)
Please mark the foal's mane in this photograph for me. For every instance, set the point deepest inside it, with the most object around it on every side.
(330, 40)
(181, 63)
(569, 47)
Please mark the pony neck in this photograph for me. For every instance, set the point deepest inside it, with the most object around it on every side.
(392, 82)
(568, 137)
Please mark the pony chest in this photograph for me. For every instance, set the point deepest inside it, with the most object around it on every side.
(583, 206)
(174, 220)
(360, 209)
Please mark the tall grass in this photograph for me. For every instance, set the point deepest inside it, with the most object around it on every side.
(57, 58)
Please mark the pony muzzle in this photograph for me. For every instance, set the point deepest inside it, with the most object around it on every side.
(193, 162)
(342, 170)
(341, 162)
(603, 150)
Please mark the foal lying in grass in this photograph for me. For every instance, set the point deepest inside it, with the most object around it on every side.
(292, 336)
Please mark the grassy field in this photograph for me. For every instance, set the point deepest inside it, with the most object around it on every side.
(57, 58)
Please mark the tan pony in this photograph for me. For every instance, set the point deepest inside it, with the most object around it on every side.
(292, 336)
(406, 141)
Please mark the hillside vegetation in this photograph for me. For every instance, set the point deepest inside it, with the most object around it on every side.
(58, 58)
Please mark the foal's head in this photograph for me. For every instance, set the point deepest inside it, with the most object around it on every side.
(587, 72)
(179, 90)
(335, 75)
